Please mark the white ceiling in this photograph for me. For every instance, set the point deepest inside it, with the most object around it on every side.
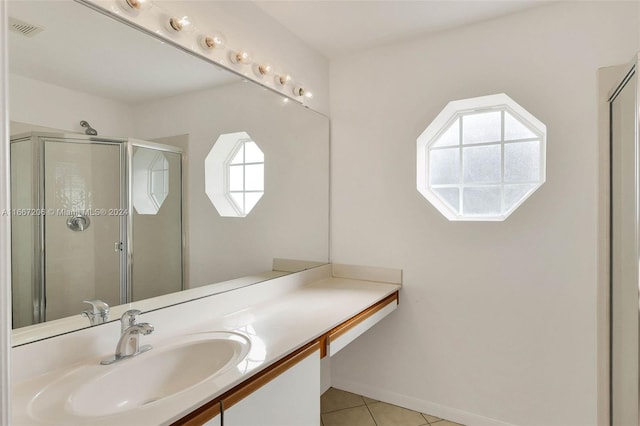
(338, 27)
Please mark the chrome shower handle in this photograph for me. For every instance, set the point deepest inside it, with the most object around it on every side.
(79, 222)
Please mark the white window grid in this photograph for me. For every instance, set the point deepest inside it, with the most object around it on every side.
(461, 185)
(241, 209)
(158, 170)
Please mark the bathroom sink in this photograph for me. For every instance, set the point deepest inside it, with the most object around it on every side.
(166, 370)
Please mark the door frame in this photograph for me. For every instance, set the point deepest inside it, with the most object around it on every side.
(624, 75)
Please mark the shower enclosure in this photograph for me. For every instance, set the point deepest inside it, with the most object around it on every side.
(92, 218)
(625, 253)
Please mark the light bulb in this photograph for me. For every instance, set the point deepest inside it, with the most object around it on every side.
(134, 6)
(298, 91)
(261, 70)
(240, 57)
(175, 24)
(282, 79)
(211, 41)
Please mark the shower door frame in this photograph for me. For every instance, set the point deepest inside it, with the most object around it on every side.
(633, 69)
(38, 140)
(123, 198)
(131, 143)
(126, 147)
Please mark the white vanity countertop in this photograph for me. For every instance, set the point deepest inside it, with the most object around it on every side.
(275, 327)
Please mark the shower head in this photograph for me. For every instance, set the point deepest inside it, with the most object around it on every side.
(89, 130)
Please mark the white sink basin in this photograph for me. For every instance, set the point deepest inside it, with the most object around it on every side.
(98, 390)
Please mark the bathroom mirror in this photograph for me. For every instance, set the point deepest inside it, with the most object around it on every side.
(213, 180)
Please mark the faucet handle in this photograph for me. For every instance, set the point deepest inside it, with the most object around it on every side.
(145, 328)
(97, 306)
(129, 318)
(99, 312)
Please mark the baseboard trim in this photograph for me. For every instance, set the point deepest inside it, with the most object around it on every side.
(416, 404)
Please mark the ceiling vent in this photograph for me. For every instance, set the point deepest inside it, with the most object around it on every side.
(27, 30)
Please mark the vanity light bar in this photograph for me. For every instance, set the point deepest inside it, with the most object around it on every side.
(215, 41)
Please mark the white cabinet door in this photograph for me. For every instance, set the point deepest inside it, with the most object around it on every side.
(216, 421)
(290, 399)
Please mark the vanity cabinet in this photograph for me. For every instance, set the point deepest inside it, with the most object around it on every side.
(287, 396)
(208, 415)
(288, 392)
(216, 421)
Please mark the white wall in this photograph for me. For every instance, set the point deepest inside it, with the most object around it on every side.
(47, 105)
(497, 321)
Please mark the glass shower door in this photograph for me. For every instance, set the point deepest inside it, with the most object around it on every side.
(25, 275)
(83, 226)
(156, 243)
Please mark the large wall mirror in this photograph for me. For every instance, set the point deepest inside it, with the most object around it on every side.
(194, 181)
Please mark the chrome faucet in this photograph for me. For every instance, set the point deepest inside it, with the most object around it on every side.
(129, 343)
(99, 312)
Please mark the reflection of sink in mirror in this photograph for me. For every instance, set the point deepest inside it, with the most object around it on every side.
(97, 390)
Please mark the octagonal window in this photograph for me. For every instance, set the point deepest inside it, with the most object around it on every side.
(481, 158)
(234, 174)
(150, 180)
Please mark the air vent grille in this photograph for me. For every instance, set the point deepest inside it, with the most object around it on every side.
(24, 28)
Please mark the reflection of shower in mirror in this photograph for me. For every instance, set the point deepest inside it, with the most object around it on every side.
(74, 182)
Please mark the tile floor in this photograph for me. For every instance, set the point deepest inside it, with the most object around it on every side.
(340, 408)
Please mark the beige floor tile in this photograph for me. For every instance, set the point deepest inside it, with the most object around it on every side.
(369, 400)
(336, 399)
(358, 416)
(448, 423)
(392, 415)
(431, 419)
